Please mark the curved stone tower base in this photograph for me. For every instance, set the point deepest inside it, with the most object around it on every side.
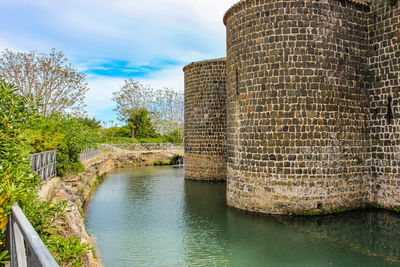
(205, 120)
(205, 167)
(297, 105)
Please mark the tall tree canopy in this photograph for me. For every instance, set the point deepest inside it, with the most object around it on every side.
(140, 124)
(49, 79)
(166, 106)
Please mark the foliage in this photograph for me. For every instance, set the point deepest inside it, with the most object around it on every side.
(123, 131)
(140, 123)
(171, 161)
(393, 2)
(165, 106)
(4, 258)
(70, 250)
(175, 137)
(90, 123)
(68, 135)
(115, 140)
(160, 162)
(169, 110)
(133, 96)
(18, 183)
(49, 79)
(123, 135)
(43, 215)
(174, 159)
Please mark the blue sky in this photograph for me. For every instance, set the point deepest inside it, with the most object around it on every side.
(113, 40)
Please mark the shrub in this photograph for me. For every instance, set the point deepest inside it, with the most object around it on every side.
(67, 250)
(18, 117)
(17, 180)
(68, 135)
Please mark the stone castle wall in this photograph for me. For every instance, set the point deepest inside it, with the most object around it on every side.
(205, 120)
(384, 30)
(312, 106)
(297, 105)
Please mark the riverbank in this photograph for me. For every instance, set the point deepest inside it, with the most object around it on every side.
(77, 190)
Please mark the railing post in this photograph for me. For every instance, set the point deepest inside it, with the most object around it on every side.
(16, 244)
(21, 232)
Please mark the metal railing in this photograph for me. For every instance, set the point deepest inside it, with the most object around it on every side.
(22, 237)
(89, 153)
(44, 164)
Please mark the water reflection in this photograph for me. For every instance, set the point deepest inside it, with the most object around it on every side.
(152, 217)
(204, 221)
(371, 232)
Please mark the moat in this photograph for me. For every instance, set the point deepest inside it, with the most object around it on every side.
(151, 216)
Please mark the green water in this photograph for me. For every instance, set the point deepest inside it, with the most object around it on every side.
(151, 216)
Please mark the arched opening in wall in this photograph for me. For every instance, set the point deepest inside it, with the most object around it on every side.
(389, 114)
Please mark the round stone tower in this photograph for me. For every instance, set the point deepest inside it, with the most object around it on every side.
(297, 137)
(205, 120)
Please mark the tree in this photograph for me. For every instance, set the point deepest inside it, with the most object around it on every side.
(140, 124)
(165, 106)
(91, 123)
(131, 97)
(49, 79)
(169, 110)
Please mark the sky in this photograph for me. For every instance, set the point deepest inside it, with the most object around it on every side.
(113, 40)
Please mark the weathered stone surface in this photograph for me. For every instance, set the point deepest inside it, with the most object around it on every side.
(313, 106)
(205, 120)
(297, 105)
(384, 96)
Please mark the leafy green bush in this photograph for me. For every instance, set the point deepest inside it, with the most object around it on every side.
(68, 250)
(68, 135)
(90, 123)
(17, 181)
(123, 131)
(18, 116)
(4, 258)
(175, 137)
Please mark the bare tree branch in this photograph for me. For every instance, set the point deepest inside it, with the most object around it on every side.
(55, 85)
(166, 106)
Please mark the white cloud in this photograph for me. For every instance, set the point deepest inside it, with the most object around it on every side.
(139, 30)
(98, 99)
(172, 78)
(142, 33)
